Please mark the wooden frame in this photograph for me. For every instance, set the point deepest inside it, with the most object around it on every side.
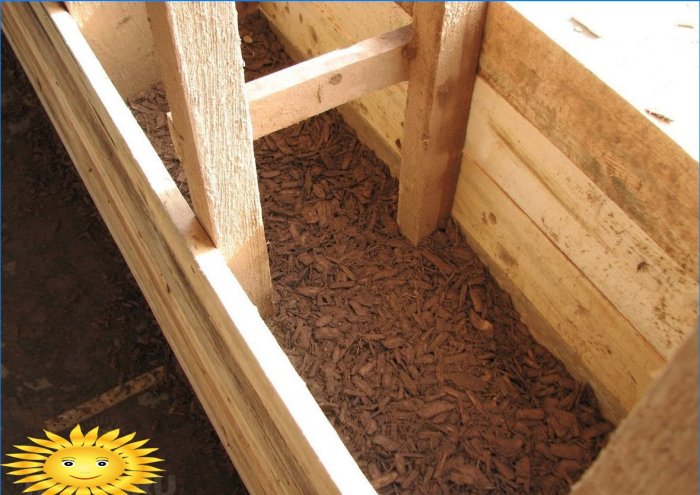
(261, 409)
(570, 248)
(524, 195)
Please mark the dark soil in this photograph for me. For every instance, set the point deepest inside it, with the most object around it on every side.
(74, 323)
(416, 356)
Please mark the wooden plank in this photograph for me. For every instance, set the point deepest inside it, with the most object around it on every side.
(599, 344)
(635, 163)
(106, 400)
(655, 449)
(120, 36)
(583, 223)
(198, 49)
(445, 46)
(309, 29)
(309, 88)
(265, 416)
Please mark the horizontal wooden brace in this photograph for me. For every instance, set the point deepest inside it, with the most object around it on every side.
(327, 81)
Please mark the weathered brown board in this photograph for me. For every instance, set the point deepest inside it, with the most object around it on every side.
(266, 419)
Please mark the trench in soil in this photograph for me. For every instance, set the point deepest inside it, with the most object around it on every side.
(414, 354)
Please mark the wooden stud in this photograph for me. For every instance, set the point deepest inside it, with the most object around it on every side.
(291, 95)
(655, 449)
(446, 43)
(198, 47)
(264, 414)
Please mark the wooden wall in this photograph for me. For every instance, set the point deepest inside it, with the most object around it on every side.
(583, 209)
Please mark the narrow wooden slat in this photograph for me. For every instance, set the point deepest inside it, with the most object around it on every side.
(310, 29)
(312, 87)
(655, 449)
(198, 48)
(106, 400)
(446, 42)
(262, 411)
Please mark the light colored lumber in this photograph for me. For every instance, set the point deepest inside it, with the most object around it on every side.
(120, 36)
(309, 88)
(655, 449)
(630, 158)
(310, 29)
(644, 283)
(444, 50)
(198, 49)
(598, 344)
(262, 411)
(104, 401)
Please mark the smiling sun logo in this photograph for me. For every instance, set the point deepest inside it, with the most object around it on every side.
(85, 464)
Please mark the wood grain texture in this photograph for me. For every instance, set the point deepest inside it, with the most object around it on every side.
(309, 88)
(120, 36)
(655, 449)
(584, 223)
(636, 164)
(445, 50)
(595, 341)
(198, 49)
(309, 29)
(265, 416)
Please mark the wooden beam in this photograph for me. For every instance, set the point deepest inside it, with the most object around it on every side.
(446, 43)
(267, 420)
(198, 48)
(655, 450)
(312, 87)
(105, 400)
(309, 29)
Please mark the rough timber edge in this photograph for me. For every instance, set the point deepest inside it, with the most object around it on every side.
(267, 420)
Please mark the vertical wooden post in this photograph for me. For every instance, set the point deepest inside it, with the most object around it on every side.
(198, 47)
(445, 47)
(655, 449)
